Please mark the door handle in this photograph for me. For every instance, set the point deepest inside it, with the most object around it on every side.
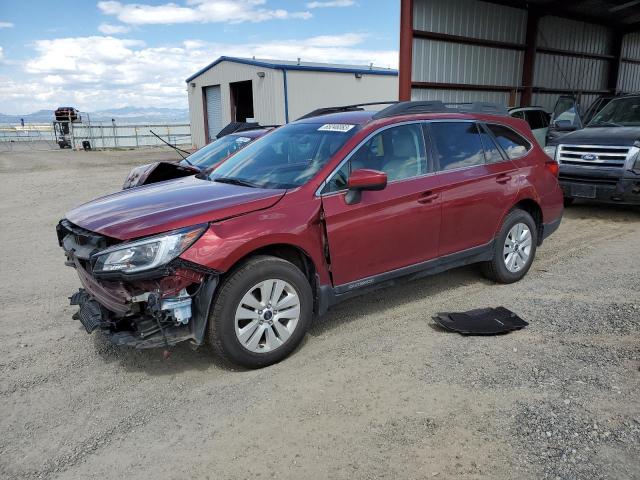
(428, 197)
(503, 178)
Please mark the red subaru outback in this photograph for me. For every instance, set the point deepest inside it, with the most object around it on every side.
(333, 205)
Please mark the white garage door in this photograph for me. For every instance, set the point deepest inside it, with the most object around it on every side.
(214, 110)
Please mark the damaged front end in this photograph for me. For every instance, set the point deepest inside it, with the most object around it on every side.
(139, 292)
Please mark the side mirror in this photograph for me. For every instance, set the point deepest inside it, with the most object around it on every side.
(364, 179)
(564, 126)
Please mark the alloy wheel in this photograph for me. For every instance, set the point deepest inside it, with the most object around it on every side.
(267, 315)
(517, 247)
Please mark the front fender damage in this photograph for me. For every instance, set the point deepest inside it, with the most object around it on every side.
(159, 308)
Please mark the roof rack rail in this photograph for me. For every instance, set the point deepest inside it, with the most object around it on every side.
(345, 108)
(437, 106)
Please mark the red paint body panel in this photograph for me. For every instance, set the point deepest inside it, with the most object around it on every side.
(290, 222)
(408, 222)
(473, 204)
(165, 206)
(386, 230)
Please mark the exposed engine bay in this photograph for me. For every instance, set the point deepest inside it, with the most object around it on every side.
(158, 307)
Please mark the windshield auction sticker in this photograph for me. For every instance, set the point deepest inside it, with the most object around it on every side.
(335, 127)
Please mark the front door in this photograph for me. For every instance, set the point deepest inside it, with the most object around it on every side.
(478, 184)
(388, 229)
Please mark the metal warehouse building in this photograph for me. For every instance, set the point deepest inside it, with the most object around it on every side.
(518, 52)
(274, 92)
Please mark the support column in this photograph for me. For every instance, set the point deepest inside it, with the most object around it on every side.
(614, 64)
(406, 49)
(529, 62)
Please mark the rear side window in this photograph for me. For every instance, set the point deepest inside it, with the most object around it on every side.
(491, 150)
(456, 144)
(519, 115)
(512, 143)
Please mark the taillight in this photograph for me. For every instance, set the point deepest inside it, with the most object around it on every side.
(553, 167)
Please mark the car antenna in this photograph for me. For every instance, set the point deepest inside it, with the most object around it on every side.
(179, 150)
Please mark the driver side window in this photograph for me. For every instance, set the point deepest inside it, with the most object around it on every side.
(397, 151)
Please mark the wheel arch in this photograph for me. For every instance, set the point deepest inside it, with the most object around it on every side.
(291, 253)
(532, 207)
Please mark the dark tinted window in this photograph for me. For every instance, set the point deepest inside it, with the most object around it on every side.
(457, 144)
(512, 143)
(546, 117)
(534, 119)
(397, 151)
(519, 114)
(491, 150)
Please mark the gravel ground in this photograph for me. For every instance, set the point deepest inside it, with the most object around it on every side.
(375, 391)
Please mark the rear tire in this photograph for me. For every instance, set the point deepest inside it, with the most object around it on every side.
(248, 325)
(514, 249)
(568, 201)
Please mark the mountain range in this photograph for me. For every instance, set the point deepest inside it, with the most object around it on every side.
(120, 115)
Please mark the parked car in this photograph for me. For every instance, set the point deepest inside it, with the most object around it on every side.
(319, 210)
(197, 162)
(537, 118)
(601, 161)
(569, 114)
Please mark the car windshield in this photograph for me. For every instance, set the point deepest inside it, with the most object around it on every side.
(621, 112)
(216, 151)
(286, 158)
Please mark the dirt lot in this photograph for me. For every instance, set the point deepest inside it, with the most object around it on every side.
(375, 391)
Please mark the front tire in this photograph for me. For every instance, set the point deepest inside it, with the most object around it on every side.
(515, 248)
(261, 312)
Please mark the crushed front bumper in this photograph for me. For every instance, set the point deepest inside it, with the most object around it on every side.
(158, 308)
(601, 185)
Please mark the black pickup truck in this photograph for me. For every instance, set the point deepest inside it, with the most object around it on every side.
(602, 160)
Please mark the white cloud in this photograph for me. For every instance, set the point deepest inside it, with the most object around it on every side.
(331, 3)
(196, 11)
(1, 54)
(99, 72)
(6, 25)
(109, 29)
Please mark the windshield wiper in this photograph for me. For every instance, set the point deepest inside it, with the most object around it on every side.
(604, 124)
(235, 181)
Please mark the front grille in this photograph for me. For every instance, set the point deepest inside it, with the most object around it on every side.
(602, 156)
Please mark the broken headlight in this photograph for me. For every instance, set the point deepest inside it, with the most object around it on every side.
(146, 254)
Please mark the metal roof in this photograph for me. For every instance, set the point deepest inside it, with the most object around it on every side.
(624, 14)
(295, 65)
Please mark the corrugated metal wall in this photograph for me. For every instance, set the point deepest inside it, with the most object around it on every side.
(471, 18)
(444, 61)
(562, 72)
(436, 61)
(308, 91)
(457, 96)
(629, 78)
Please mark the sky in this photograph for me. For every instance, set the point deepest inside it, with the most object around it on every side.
(96, 55)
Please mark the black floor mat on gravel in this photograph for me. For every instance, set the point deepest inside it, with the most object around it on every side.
(483, 321)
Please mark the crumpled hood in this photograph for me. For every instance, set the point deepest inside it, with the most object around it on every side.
(622, 136)
(164, 206)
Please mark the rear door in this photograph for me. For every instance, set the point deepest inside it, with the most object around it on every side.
(477, 181)
(388, 229)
